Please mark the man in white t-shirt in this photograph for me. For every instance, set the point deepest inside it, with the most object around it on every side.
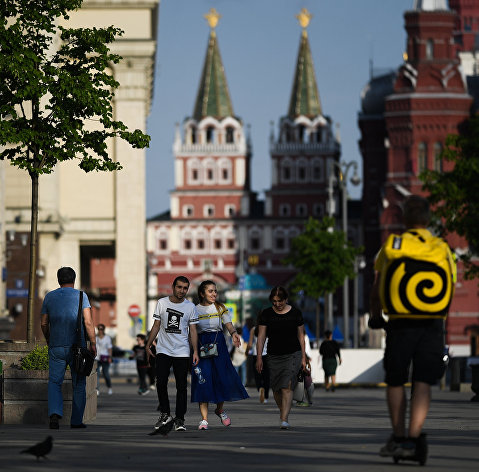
(175, 324)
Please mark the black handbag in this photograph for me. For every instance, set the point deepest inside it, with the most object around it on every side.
(83, 358)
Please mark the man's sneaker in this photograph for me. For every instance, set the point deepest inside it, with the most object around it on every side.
(163, 420)
(54, 421)
(145, 392)
(302, 404)
(110, 391)
(284, 425)
(180, 425)
(391, 448)
(203, 425)
(223, 417)
(406, 450)
(152, 387)
(261, 395)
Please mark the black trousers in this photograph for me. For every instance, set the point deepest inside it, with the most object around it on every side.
(181, 366)
(262, 380)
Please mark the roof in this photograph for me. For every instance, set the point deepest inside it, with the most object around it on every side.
(213, 98)
(304, 96)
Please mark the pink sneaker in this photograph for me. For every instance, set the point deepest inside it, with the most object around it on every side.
(223, 417)
(203, 425)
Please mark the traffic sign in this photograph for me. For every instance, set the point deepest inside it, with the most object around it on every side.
(134, 311)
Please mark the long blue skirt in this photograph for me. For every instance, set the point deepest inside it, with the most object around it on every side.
(223, 383)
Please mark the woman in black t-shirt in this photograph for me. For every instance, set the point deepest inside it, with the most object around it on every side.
(283, 325)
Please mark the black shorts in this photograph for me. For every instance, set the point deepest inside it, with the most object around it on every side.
(421, 344)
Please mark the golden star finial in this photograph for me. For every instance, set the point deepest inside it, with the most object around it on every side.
(304, 17)
(212, 17)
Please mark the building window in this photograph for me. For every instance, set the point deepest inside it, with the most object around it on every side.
(318, 210)
(209, 174)
(285, 209)
(301, 133)
(286, 173)
(193, 135)
(230, 134)
(429, 49)
(208, 210)
(200, 243)
(230, 210)
(224, 174)
(187, 244)
(163, 244)
(188, 211)
(230, 243)
(194, 174)
(301, 209)
(437, 157)
(279, 243)
(254, 243)
(210, 134)
(217, 243)
(421, 157)
(302, 172)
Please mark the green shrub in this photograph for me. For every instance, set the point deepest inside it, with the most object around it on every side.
(36, 359)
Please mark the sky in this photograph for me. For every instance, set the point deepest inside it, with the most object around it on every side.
(259, 41)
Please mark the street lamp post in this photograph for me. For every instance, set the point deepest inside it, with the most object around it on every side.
(344, 168)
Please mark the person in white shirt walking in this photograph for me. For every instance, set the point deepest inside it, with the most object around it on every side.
(175, 325)
(104, 350)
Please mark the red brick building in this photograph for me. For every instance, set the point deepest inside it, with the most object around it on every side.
(216, 227)
(406, 116)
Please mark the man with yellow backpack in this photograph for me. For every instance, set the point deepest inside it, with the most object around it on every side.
(413, 286)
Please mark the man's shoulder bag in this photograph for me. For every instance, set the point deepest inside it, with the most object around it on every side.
(417, 276)
(83, 358)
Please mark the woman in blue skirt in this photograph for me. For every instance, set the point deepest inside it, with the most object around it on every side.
(219, 380)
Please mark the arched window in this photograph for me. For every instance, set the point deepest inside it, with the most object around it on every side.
(301, 209)
(421, 157)
(230, 134)
(286, 170)
(254, 237)
(301, 133)
(193, 135)
(317, 170)
(437, 157)
(429, 49)
(210, 134)
(302, 170)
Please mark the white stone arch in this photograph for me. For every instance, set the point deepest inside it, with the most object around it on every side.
(225, 171)
(191, 131)
(302, 170)
(216, 234)
(186, 234)
(209, 171)
(255, 238)
(280, 239)
(206, 124)
(317, 170)
(193, 171)
(161, 234)
(286, 170)
(201, 234)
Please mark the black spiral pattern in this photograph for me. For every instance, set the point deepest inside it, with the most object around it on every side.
(417, 287)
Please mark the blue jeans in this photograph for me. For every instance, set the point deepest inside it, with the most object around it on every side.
(59, 358)
(105, 368)
(241, 369)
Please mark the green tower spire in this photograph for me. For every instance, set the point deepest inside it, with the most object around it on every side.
(213, 98)
(304, 96)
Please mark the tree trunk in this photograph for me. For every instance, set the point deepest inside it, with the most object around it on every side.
(33, 259)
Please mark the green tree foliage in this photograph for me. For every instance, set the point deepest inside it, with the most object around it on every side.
(323, 258)
(56, 91)
(453, 194)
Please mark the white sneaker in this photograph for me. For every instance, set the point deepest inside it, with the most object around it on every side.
(110, 391)
(203, 424)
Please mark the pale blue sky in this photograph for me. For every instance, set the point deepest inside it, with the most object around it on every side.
(259, 42)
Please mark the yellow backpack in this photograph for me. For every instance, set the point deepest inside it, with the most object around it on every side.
(417, 276)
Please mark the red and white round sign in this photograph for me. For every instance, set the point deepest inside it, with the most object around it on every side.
(134, 311)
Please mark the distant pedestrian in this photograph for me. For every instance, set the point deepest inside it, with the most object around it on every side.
(221, 381)
(59, 326)
(175, 323)
(261, 379)
(139, 354)
(104, 358)
(331, 355)
(283, 325)
(414, 285)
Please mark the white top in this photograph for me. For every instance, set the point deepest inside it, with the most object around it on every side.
(175, 319)
(254, 349)
(102, 346)
(209, 318)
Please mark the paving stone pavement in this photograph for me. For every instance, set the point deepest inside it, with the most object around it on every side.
(341, 431)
